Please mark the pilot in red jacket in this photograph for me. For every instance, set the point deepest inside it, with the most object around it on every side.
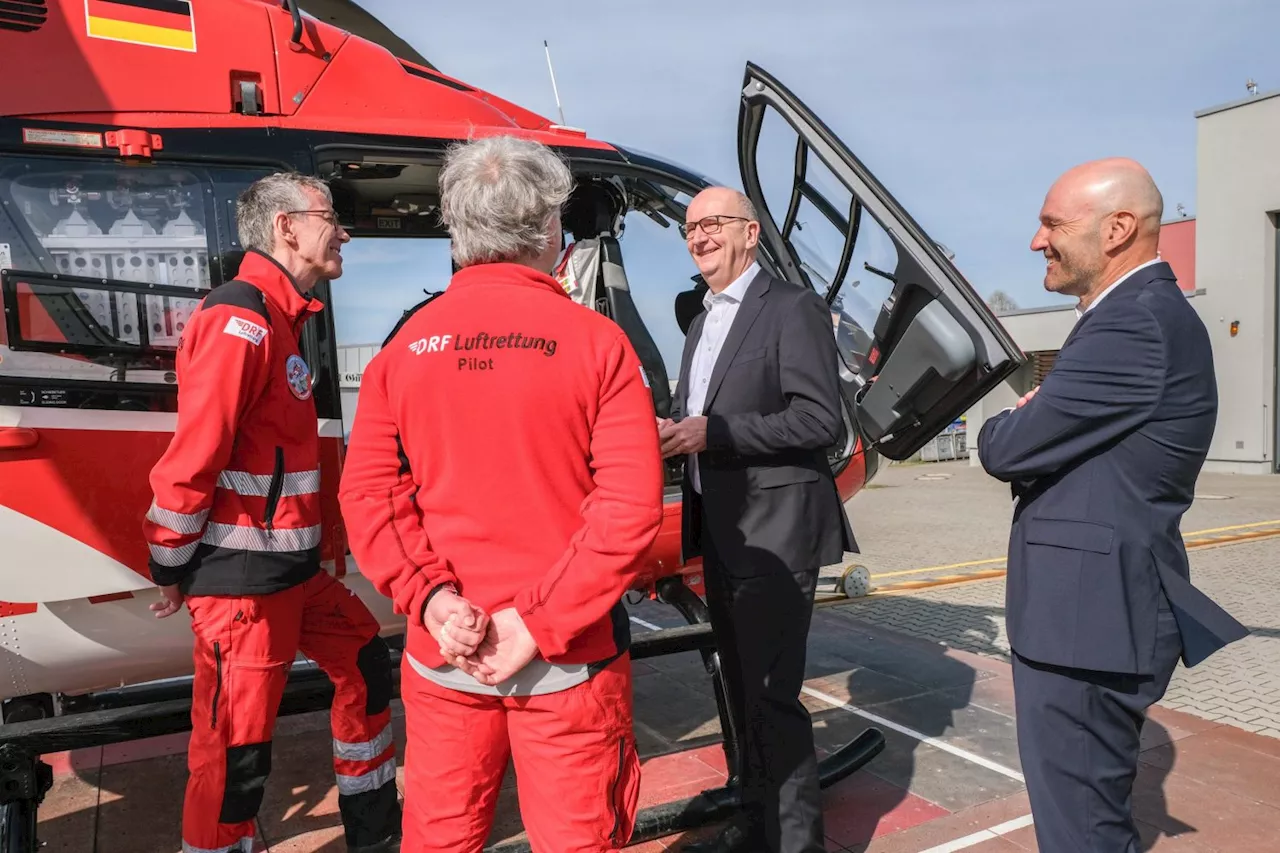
(234, 528)
(503, 480)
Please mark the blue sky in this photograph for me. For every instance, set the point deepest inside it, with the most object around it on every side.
(966, 111)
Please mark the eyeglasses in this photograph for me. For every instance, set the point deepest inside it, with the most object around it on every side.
(709, 225)
(330, 216)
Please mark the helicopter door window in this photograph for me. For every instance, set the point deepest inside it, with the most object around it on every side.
(131, 251)
(842, 252)
(382, 277)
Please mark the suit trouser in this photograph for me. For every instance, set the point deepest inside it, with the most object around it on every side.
(577, 771)
(761, 625)
(244, 647)
(1078, 734)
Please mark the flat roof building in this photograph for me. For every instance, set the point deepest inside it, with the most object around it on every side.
(1226, 260)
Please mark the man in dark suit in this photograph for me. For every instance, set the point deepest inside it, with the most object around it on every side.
(756, 408)
(1103, 458)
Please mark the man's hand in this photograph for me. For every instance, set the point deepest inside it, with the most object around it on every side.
(457, 625)
(687, 436)
(1026, 398)
(170, 602)
(508, 647)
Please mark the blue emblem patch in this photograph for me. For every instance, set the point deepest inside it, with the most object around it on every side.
(298, 375)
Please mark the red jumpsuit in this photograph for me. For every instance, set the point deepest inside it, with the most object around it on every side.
(505, 442)
(235, 521)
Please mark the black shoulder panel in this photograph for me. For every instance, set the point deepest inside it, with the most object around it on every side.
(241, 294)
(404, 318)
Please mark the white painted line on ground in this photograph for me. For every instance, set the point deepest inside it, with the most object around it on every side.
(912, 733)
(982, 835)
(890, 724)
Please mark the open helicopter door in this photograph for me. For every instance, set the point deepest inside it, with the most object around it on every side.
(918, 346)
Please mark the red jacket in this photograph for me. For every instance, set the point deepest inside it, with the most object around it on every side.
(237, 504)
(505, 441)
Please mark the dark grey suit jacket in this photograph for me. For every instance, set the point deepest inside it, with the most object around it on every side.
(1104, 461)
(773, 408)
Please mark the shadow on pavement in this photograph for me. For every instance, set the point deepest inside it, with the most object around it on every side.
(950, 689)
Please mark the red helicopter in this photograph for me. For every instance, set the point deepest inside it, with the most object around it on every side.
(127, 129)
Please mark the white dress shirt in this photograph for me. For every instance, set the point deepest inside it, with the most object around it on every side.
(721, 308)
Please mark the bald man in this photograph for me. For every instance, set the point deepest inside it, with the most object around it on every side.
(757, 406)
(1103, 459)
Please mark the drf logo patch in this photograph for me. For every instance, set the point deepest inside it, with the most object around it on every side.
(251, 332)
(437, 343)
(298, 375)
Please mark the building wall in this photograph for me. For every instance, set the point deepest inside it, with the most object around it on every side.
(1226, 259)
(352, 360)
(1237, 196)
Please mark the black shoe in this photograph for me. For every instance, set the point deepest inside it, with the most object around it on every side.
(733, 839)
(390, 844)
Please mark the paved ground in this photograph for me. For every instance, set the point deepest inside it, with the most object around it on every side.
(946, 513)
(928, 668)
(948, 779)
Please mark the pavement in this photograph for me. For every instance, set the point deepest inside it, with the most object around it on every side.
(938, 514)
(929, 668)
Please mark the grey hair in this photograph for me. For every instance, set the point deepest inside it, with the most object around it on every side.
(257, 206)
(499, 196)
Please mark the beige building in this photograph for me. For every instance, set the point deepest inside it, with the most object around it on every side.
(1231, 278)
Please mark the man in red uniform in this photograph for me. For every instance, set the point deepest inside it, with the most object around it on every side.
(234, 531)
(502, 485)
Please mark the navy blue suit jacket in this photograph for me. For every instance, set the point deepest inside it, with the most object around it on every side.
(1103, 462)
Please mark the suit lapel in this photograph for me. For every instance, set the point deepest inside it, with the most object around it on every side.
(748, 311)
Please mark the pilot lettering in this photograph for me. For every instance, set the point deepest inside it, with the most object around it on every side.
(474, 363)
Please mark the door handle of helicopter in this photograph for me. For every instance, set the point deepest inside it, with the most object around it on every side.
(18, 438)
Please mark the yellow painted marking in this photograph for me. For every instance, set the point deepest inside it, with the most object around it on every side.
(990, 574)
(1188, 542)
(145, 34)
(940, 568)
(1232, 527)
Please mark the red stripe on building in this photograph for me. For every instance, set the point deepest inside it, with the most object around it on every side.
(1178, 249)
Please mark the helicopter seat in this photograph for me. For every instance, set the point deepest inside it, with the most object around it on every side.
(593, 274)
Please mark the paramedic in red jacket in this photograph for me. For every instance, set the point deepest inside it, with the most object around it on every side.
(503, 481)
(234, 530)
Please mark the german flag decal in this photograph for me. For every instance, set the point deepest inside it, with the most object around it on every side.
(154, 23)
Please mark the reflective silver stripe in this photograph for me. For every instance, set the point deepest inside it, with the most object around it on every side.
(258, 539)
(244, 845)
(257, 485)
(166, 556)
(371, 781)
(178, 522)
(363, 751)
(537, 678)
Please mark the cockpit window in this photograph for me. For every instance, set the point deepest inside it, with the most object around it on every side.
(382, 277)
(107, 264)
(132, 224)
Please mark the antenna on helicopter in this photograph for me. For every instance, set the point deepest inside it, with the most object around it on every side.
(554, 90)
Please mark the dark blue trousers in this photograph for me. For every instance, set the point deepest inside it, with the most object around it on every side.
(1078, 741)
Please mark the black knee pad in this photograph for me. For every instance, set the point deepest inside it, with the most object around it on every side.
(247, 769)
(374, 662)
